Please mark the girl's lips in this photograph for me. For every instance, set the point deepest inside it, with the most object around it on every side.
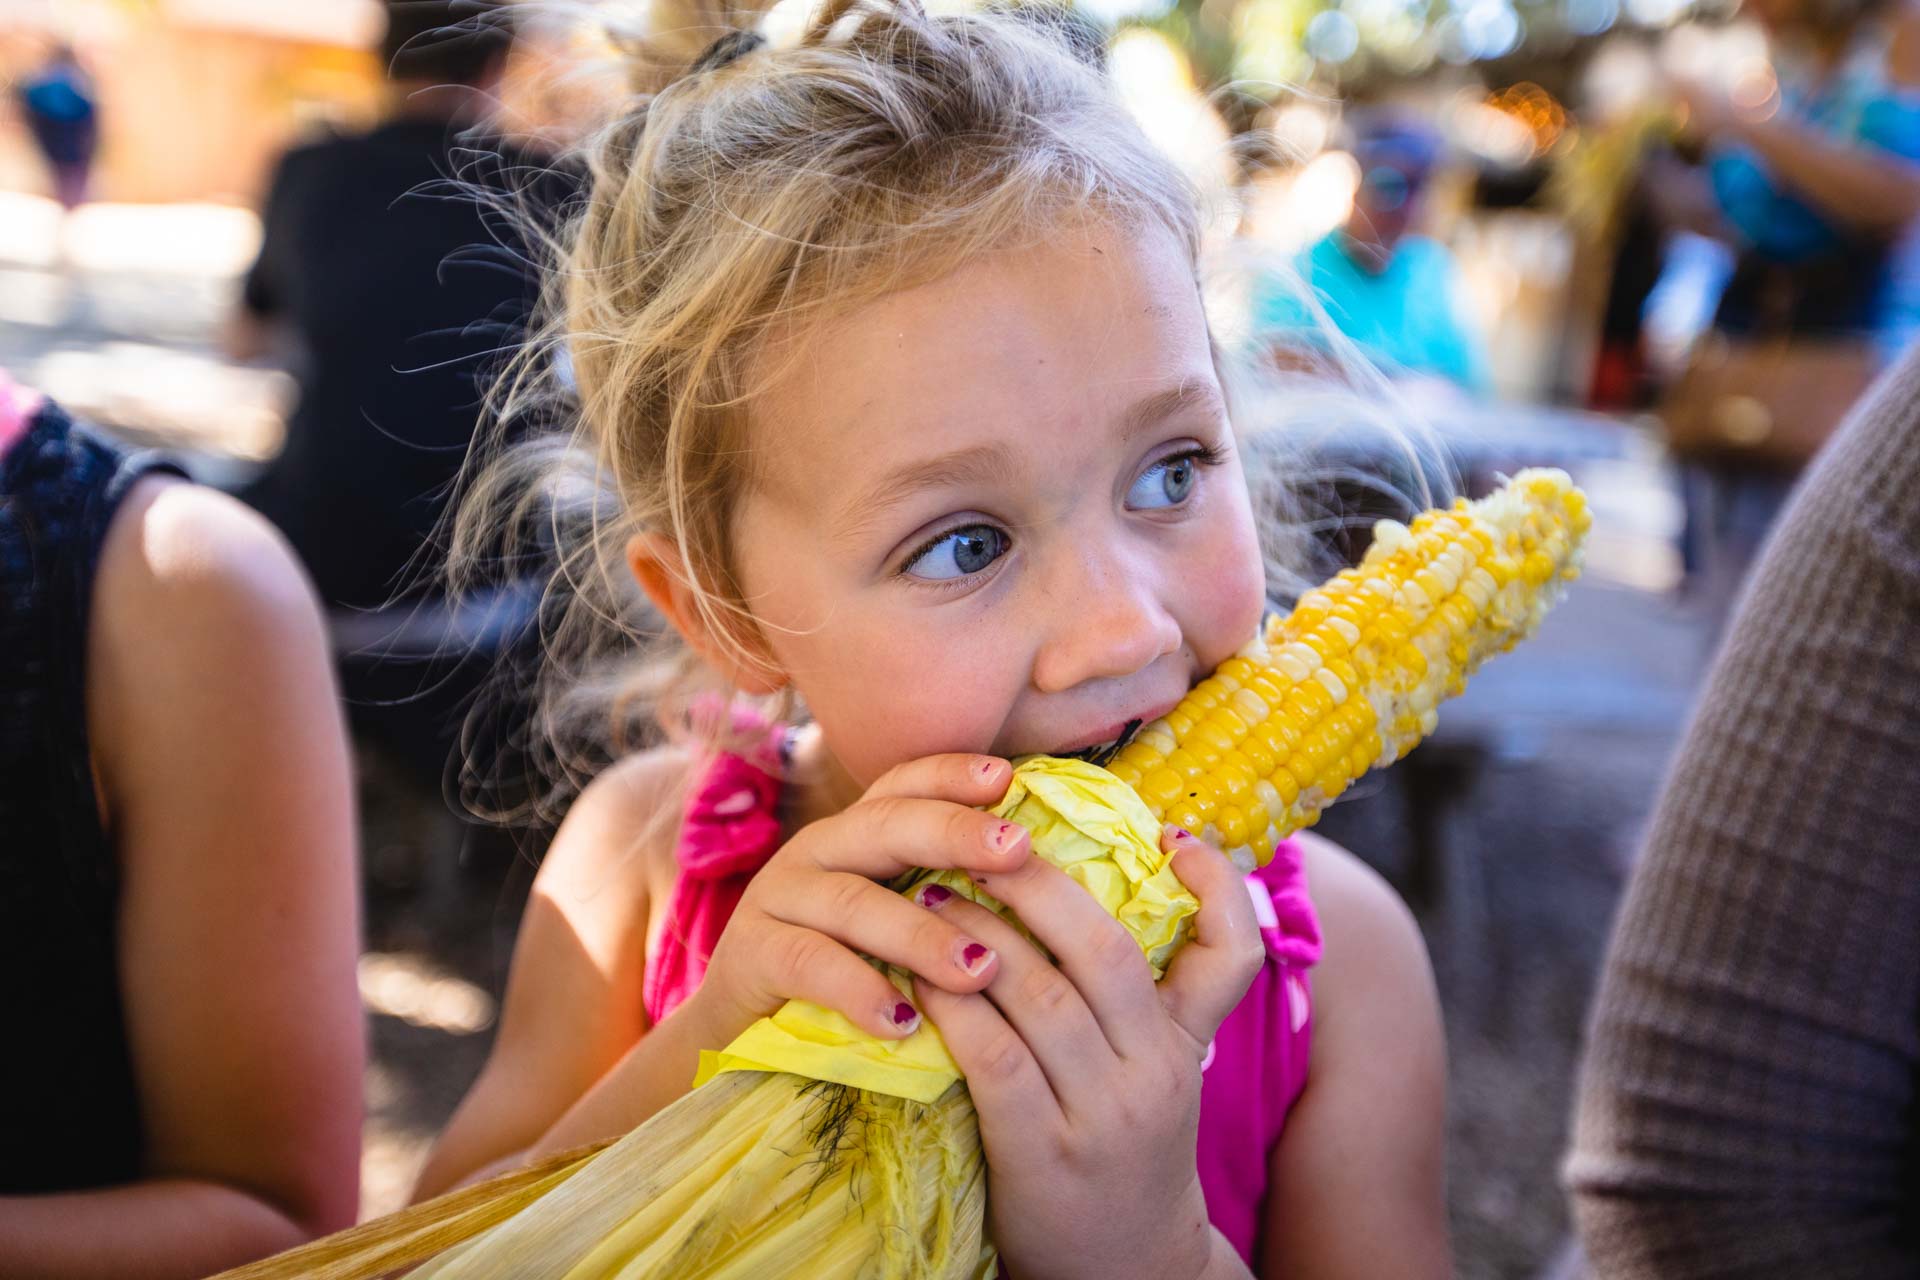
(1101, 737)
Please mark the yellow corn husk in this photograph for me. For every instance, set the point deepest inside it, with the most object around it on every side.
(815, 1150)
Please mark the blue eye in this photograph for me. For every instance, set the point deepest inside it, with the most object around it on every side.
(958, 553)
(1164, 484)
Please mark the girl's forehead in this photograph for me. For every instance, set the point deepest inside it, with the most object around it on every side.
(1022, 350)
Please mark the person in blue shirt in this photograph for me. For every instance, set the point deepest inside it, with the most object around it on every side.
(57, 102)
(1394, 293)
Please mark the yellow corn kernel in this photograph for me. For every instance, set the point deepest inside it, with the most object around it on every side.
(1233, 826)
(1160, 788)
(1185, 763)
(1350, 678)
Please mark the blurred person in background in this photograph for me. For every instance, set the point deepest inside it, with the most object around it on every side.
(1812, 187)
(388, 259)
(180, 1090)
(57, 102)
(1747, 1107)
(1392, 291)
(400, 264)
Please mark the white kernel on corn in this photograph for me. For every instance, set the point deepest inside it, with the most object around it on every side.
(1389, 536)
(1250, 706)
(1270, 799)
(1333, 684)
(1159, 736)
(1345, 630)
(1296, 661)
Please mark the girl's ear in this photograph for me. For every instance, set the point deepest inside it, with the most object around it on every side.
(656, 566)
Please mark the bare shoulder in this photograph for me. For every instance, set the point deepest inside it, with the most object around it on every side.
(1374, 965)
(620, 829)
(1359, 912)
(171, 540)
(203, 631)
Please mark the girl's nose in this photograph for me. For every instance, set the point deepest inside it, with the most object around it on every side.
(1104, 621)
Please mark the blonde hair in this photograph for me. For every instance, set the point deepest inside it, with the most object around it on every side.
(736, 205)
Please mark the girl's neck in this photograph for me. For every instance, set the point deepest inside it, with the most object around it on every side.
(819, 786)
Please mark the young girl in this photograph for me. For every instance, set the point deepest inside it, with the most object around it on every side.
(892, 345)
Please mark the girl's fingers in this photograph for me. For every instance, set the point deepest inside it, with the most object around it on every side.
(960, 778)
(1043, 1007)
(880, 923)
(1093, 949)
(808, 965)
(1211, 973)
(880, 839)
(1003, 1075)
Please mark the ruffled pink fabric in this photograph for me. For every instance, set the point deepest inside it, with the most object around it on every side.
(1257, 1064)
(730, 828)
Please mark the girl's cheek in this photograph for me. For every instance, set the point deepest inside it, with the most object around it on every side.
(1233, 596)
(898, 695)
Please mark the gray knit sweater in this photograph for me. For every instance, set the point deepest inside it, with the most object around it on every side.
(1747, 1107)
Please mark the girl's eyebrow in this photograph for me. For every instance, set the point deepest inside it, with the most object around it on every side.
(980, 464)
(1151, 410)
(985, 464)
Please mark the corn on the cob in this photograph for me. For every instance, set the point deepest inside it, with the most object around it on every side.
(1348, 680)
(838, 1182)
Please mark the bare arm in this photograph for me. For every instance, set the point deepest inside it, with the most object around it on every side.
(224, 774)
(573, 1004)
(1357, 1189)
(1859, 185)
(1863, 187)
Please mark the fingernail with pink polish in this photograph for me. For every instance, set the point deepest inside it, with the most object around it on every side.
(933, 895)
(974, 957)
(1003, 837)
(1181, 833)
(905, 1015)
(986, 769)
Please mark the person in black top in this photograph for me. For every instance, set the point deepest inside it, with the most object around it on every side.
(180, 1090)
(404, 286)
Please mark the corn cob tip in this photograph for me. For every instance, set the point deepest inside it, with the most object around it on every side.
(1350, 679)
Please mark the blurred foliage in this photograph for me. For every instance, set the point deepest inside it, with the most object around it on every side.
(1264, 48)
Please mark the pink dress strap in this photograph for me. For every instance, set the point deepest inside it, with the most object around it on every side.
(17, 407)
(730, 829)
(1257, 1064)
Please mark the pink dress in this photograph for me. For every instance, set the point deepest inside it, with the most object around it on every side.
(1254, 1069)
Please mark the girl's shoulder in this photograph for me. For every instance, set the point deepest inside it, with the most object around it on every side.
(1373, 947)
(622, 827)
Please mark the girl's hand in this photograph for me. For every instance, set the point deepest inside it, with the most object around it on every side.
(1087, 1076)
(815, 904)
